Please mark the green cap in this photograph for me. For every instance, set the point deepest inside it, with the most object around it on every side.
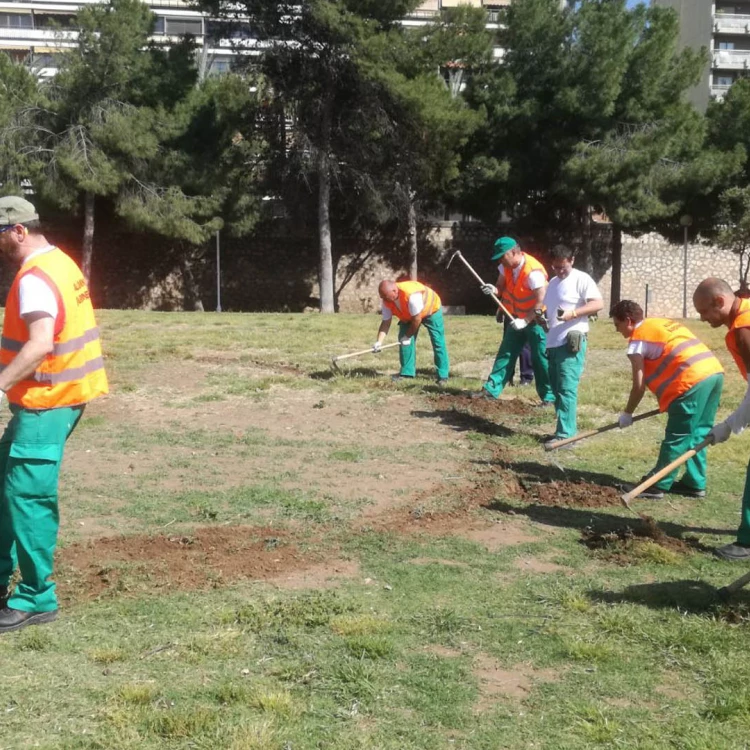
(502, 246)
(14, 210)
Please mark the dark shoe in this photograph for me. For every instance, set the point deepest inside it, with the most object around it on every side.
(678, 488)
(546, 405)
(400, 378)
(3, 596)
(483, 394)
(15, 619)
(734, 552)
(525, 383)
(649, 494)
(442, 382)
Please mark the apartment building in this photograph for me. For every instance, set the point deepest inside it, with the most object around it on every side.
(723, 27)
(38, 31)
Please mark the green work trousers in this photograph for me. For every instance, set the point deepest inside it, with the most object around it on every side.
(408, 354)
(743, 533)
(510, 348)
(565, 370)
(31, 451)
(689, 420)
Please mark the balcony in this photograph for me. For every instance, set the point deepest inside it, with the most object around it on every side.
(36, 37)
(719, 92)
(732, 59)
(732, 23)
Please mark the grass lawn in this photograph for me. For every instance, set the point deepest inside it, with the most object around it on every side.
(257, 553)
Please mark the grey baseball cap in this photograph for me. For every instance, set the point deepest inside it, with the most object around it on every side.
(15, 210)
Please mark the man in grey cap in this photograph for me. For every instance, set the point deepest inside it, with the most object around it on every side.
(50, 368)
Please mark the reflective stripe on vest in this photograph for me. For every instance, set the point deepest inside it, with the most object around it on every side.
(741, 320)
(685, 360)
(517, 297)
(73, 373)
(72, 345)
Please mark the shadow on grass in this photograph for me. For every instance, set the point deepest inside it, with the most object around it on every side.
(533, 471)
(346, 372)
(464, 422)
(696, 597)
(596, 519)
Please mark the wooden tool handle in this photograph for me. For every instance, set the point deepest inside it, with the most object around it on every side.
(365, 351)
(482, 282)
(589, 433)
(654, 478)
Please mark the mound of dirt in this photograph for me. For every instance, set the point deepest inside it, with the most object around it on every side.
(625, 538)
(485, 407)
(569, 494)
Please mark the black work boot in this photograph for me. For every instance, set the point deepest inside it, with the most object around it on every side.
(15, 619)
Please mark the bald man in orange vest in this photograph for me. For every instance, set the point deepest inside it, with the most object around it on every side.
(687, 380)
(719, 306)
(414, 304)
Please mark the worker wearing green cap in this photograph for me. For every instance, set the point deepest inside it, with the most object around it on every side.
(521, 285)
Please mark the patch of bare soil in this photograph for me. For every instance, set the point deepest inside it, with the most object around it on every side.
(622, 541)
(208, 556)
(498, 682)
(499, 535)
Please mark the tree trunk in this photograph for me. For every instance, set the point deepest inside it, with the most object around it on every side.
(88, 235)
(616, 263)
(325, 275)
(412, 233)
(192, 294)
(587, 256)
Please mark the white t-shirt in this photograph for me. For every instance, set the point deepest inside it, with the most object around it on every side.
(416, 305)
(568, 293)
(34, 294)
(535, 280)
(647, 349)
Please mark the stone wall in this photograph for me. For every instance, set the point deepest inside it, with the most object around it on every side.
(276, 268)
(655, 261)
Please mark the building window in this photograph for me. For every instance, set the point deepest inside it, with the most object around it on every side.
(159, 25)
(54, 20)
(726, 45)
(180, 26)
(723, 80)
(15, 20)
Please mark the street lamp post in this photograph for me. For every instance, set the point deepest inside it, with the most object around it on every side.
(218, 273)
(685, 221)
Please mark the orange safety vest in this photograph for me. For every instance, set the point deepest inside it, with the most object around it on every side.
(741, 321)
(685, 360)
(73, 373)
(405, 290)
(517, 297)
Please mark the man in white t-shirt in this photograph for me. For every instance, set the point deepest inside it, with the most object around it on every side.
(570, 298)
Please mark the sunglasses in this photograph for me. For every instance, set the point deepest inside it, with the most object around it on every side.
(6, 229)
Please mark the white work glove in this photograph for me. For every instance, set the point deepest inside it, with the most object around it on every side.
(377, 346)
(405, 342)
(489, 289)
(720, 432)
(625, 420)
(518, 324)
